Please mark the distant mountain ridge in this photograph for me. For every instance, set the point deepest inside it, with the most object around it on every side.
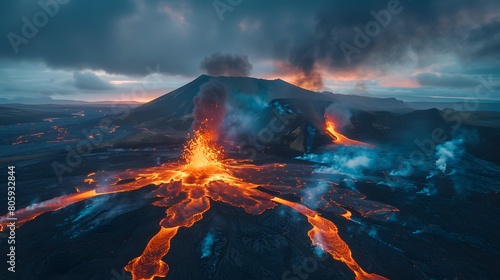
(179, 103)
(168, 118)
(51, 101)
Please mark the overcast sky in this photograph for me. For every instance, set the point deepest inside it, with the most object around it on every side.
(137, 50)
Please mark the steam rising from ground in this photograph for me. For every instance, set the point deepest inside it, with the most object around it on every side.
(241, 114)
(449, 171)
(343, 161)
(449, 151)
(206, 245)
(447, 156)
(312, 195)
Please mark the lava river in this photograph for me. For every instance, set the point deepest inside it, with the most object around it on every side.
(187, 188)
(331, 129)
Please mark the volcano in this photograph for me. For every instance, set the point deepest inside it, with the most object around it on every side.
(178, 104)
(300, 114)
(204, 175)
(242, 178)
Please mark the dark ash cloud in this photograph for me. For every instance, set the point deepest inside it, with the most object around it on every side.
(483, 42)
(297, 40)
(210, 108)
(419, 34)
(219, 64)
(89, 81)
(309, 78)
(126, 36)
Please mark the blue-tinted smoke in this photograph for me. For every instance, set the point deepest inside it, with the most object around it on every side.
(206, 245)
(348, 161)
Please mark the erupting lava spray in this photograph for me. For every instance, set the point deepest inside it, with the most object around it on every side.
(187, 187)
(202, 158)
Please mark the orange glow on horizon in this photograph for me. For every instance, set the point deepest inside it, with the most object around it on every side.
(399, 83)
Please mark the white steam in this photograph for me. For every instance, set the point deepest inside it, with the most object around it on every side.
(448, 152)
(343, 161)
(312, 195)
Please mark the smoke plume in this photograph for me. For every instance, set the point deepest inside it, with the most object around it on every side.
(219, 64)
(304, 76)
(210, 107)
(340, 114)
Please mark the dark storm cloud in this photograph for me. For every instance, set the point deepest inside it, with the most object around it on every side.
(118, 36)
(445, 80)
(90, 81)
(219, 64)
(483, 42)
(126, 36)
(78, 35)
(376, 35)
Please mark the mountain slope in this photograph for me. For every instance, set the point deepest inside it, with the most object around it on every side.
(179, 105)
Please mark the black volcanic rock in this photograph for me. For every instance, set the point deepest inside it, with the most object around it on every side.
(176, 107)
(288, 126)
(390, 127)
(368, 103)
(289, 120)
(12, 114)
(143, 139)
(304, 117)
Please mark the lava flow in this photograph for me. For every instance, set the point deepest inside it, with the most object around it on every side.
(186, 188)
(332, 131)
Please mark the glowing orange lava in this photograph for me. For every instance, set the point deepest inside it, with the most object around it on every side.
(325, 234)
(331, 130)
(149, 264)
(187, 188)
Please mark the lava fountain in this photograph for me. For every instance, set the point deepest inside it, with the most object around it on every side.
(187, 187)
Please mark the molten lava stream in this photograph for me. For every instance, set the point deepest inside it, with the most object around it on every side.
(325, 234)
(29, 213)
(331, 130)
(186, 190)
(185, 213)
(149, 264)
